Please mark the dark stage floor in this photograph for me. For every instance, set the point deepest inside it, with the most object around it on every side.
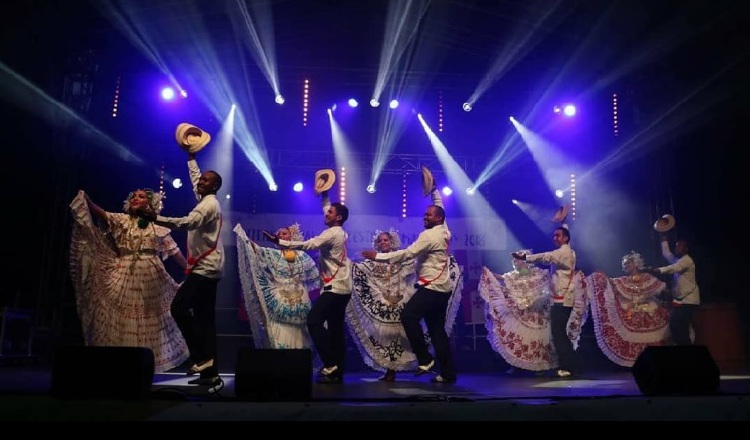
(26, 395)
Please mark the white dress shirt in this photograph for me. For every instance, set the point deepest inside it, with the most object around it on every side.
(333, 264)
(203, 224)
(430, 252)
(563, 263)
(685, 286)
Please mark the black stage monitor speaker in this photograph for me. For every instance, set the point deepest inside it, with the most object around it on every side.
(273, 374)
(678, 369)
(80, 372)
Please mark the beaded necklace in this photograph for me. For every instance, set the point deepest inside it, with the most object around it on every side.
(134, 239)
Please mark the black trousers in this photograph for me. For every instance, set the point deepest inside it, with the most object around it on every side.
(431, 306)
(679, 323)
(566, 355)
(194, 311)
(326, 325)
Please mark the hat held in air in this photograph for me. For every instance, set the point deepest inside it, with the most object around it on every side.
(324, 180)
(191, 138)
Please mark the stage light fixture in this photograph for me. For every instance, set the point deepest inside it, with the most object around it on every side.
(167, 93)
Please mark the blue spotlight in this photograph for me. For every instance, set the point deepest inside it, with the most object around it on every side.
(371, 189)
(374, 102)
(559, 193)
(273, 187)
(471, 190)
(393, 104)
(466, 107)
(177, 183)
(183, 93)
(167, 93)
(447, 191)
(228, 196)
(279, 99)
(353, 103)
(569, 110)
(514, 201)
(298, 187)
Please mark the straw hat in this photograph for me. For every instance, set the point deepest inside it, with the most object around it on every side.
(191, 138)
(665, 223)
(427, 181)
(561, 214)
(324, 180)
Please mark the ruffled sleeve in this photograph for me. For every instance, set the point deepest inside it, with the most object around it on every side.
(166, 244)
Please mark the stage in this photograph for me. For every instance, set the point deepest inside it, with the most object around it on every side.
(500, 395)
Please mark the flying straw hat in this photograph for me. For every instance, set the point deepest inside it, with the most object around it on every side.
(191, 138)
(428, 182)
(665, 223)
(324, 180)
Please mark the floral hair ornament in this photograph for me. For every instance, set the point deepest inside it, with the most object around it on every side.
(633, 257)
(393, 233)
(522, 266)
(295, 232)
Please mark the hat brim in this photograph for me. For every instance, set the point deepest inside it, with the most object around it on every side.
(665, 223)
(561, 214)
(324, 180)
(428, 182)
(191, 138)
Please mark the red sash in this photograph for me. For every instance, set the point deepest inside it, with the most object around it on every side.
(326, 279)
(192, 261)
(555, 296)
(426, 282)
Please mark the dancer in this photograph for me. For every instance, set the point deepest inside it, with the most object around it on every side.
(562, 287)
(123, 291)
(518, 307)
(194, 306)
(686, 296)
(275, 289)
(326, 318)
(432, 297)
(628, 313)
(381, 290)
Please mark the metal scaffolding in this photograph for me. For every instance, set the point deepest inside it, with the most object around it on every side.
(395, 164)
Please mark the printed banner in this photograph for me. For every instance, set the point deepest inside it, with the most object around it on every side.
(468, 234)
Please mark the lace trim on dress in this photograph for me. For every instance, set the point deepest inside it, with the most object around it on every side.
(517, 316)
(627, 315)
(373, 315)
